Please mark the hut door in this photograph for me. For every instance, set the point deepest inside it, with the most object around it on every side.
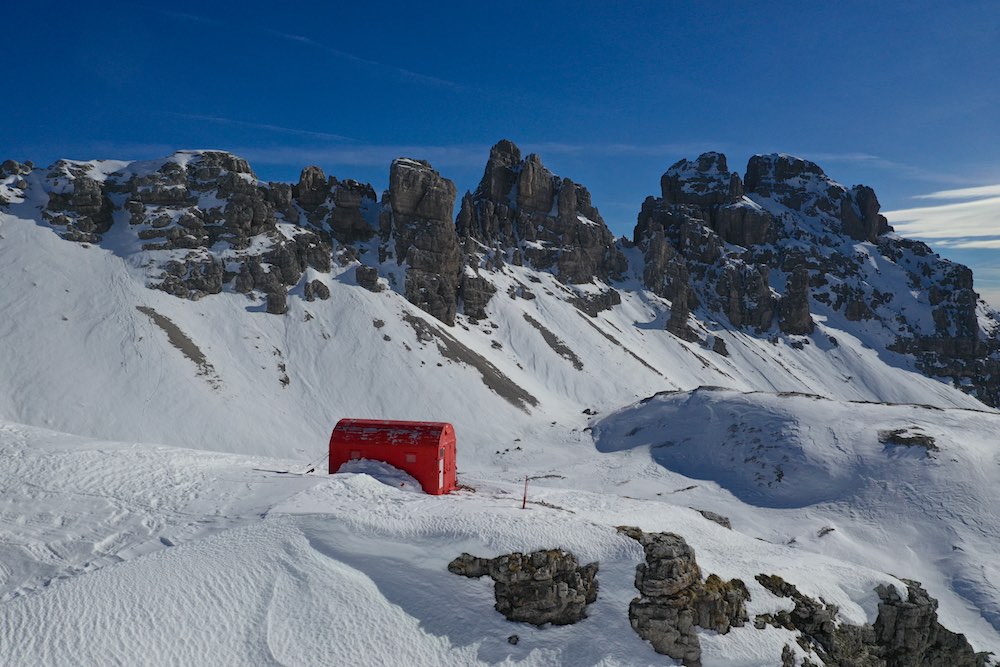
(440, 473)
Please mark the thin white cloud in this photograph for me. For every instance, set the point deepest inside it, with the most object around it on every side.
(949, 221)
(976, 244)
(875, 161)
(987, 278)
(417, 77)
(964, 193)
(182, 16)
(261, 126)
(367, 155)
(400, 71)
(112, 150)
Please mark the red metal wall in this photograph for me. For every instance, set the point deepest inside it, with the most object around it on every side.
(425, 450)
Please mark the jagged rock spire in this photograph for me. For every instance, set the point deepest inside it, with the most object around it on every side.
(416, 218)
(501, 170)
(521, 207)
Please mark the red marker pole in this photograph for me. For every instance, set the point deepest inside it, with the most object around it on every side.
(524, 502)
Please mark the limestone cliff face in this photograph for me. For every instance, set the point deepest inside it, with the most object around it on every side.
(346, 207)
(794, 316)
(214, 218)
(416, 224)
(768, 254)
(79, 204)
(523, 214)
(786, 242)
(521, 206)
(802, 186)
(703, 213)
(850, 255)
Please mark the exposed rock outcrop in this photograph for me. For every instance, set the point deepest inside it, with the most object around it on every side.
(416, 223)
(195, 200)
(747, 299)
(277, 302)
(803, 186)
(908, 632)
(665, 272)
(192, 278)
(547, 586)
(716, 518)
(312, 189)
(475, 292)
(522, 206)
(674, 600)
(367, 277)
(708, 187)
(348, 208)
(905, 633)
(15, 168)
(316, 289)
(860, 216)
(595, 303)
(684, 235)
(705, 182)
(12, 172)
(77, 203)
(793, 312)
(837, 644)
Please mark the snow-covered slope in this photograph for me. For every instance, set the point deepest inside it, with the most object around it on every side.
(93, 351)
(161, 519)
(135, 554)
(905, 489)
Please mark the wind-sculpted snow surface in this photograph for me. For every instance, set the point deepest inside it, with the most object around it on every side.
(227, 560)
(789, 452)
(903, 503)
(71, 507)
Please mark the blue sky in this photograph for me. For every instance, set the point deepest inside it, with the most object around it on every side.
(901, 96)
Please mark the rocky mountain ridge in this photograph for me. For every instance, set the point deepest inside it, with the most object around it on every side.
(763, 255)
(827, 453)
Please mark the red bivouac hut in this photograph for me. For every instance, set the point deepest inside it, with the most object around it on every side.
(425, 450)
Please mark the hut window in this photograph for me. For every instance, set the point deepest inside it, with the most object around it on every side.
(411, 458)
(441, 453)
(355, 454)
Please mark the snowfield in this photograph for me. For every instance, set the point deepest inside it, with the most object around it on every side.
(120, 553)
(200, 558)
(177, 524)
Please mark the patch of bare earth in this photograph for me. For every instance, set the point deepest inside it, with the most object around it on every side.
(452, 349)
(184, 344)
